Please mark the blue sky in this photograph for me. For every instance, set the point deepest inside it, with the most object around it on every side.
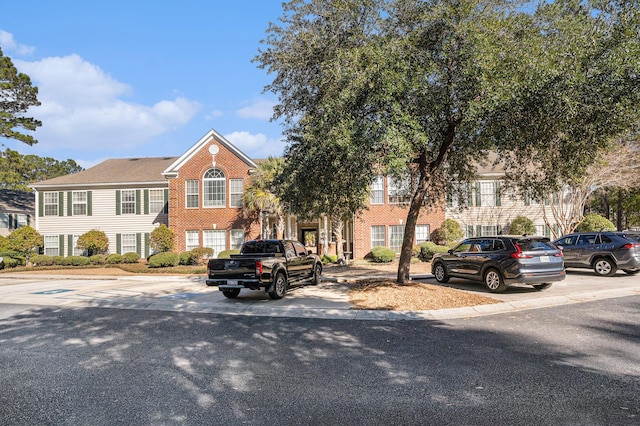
(142, 78)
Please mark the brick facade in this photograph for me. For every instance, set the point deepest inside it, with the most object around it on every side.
(183, 219)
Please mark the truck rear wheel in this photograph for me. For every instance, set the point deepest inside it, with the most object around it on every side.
(279, 287)
(231, 293)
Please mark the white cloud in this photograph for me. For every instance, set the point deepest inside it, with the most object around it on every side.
(256, 146)
(260, 109)
(7, 42)
(214, 114)
(82, 107)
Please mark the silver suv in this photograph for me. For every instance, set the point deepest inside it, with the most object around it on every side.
(604, 252)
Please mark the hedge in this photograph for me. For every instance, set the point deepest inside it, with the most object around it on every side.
(114, 258)
(428, 249)
(382, 255)
(164, 259)
(130, 257)
(225, 254)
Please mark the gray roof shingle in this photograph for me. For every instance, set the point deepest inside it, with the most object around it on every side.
(115, 171)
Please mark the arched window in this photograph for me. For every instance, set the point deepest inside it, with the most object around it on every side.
(214, 188)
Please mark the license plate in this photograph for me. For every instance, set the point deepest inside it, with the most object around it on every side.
(545, 259)
(232, 282)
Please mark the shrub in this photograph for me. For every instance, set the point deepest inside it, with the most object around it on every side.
(522, 225)
(225, 254)
(114, 258)
(12, 262)
(201, 254)
(449, 231)
(98, 259)
(329, 258)
(25, 240)
(429, 248)
(94, 242)
(130, 257)
(165, 259)
(382, 254)
(594, 222)
(58, 260)
(41, 260)
(161, 239)
(187, 258)
(78, 260)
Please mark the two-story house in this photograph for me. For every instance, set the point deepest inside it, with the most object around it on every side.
(125, 198)
(16, 210)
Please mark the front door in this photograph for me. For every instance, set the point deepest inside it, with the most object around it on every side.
(310, 239)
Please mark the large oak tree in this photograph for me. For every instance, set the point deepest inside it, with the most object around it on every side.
(427, 88)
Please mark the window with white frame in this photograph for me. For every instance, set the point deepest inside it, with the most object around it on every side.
(79, 200)
(236, 192)
(51, 245)
(396, 235)
(192, 189)
(422, 234)
(487, 194)
(399, 190)
(215, 239)
(156, 201)
(128, 201)
(213, 188)
(377, 236)
(377, 190)
(50, 203)
(192, 240)
(488, 230)
(460, 194)
(77, 251)
(128, 243)
(237, 238)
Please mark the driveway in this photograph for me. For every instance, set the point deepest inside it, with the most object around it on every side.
(328, 300)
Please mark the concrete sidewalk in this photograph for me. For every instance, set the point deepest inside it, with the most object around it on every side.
(328, 300)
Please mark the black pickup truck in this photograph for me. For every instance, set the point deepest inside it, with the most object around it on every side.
(271, 265)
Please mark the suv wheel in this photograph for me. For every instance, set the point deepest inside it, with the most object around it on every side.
(604, 267)
(440, 272)
(493, 281)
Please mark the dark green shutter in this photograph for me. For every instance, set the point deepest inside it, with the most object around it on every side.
(69, 203)
(469, 230)
(138, 201)
(60, 203)
(527, 199)
(478, 196)
(146, 201)
(40, 204)
(118, 195)
(497, 188)
(499, 229)
(146, 245)
(139, 243)
(70, 245)
(61, 244)
(119, 243)
(89, 203)
(469, 195)
(556, 199)
(478, 230)
(166, 202)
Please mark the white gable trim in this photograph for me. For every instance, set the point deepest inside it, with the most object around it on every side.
(172, 170)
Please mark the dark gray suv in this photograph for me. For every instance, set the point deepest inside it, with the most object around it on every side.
(604, 252)
(502, 260)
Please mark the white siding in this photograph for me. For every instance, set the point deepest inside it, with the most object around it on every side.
(103, 217)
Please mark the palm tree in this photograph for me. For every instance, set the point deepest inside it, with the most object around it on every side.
(259, 195)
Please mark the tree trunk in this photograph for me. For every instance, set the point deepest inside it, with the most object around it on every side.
(337, 226)
(417, 201)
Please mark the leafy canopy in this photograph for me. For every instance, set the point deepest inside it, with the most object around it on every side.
(427, 88)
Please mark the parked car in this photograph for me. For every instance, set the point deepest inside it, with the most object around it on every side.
(502, 260)
(604, 252)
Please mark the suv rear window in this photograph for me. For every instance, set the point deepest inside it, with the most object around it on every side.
(537, 244)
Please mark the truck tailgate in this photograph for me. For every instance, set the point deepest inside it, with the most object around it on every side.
(235, 268)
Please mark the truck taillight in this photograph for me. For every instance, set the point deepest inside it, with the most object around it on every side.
(258, 268)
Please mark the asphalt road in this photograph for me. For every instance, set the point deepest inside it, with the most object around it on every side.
(570, 365)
